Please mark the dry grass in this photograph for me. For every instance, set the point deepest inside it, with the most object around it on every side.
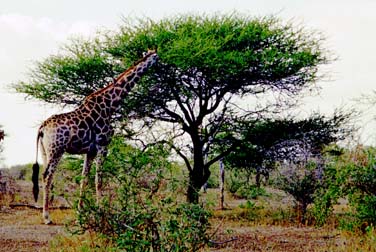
(267, 225)
(22, 229)
(271, 225)
(89, 242)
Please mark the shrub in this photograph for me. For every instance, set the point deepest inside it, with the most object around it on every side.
(301, 181)
(213, 180)
(235, 179)
(328, 193)
(138, 213)
(250, 192)
(359, 175)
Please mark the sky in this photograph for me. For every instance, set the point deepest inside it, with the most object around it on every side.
(34, 29)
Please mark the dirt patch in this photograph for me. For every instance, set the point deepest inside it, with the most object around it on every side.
(21, 230)
(275, 238)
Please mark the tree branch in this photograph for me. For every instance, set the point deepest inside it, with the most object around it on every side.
(186, 160)
(181, 106)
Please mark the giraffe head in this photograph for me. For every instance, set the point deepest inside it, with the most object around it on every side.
(140, 67)
(151, 57)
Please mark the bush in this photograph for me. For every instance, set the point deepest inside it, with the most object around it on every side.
(235, 179)
(138, 213)
(359, 175)
(250, 192)
(328, 193)
(301, 181)
(213, 180)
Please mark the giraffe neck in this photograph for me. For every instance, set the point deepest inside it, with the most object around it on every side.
(108, 99)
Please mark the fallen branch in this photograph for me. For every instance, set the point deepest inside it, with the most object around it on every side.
(20, 205)
(223, 242)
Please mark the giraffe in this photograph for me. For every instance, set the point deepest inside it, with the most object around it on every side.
(86, 130)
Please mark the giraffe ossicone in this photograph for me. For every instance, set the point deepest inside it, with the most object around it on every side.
(85, 130)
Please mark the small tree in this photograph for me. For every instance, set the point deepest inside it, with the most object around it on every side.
(206, 65)
(294, 146)
(264, 142)
(301, 181)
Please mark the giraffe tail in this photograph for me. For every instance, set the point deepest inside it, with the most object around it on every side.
(35, 179)
(35, 176)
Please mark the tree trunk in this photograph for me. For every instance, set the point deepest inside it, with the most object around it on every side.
(258, 184)
(221, 184)
(197, 178)
(193, 192)
(200, 172)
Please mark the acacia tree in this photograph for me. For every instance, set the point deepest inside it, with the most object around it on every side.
(208, 68)
(264, 142)
(297, 146)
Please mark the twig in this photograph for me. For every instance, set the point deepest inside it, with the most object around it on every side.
(19, 205)
(223, 242)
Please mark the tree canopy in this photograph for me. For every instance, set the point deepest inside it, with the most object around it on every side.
(266, 141)
(209, 66)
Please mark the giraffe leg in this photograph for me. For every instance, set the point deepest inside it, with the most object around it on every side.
(47, 179)
(98, 172)
(85, 172)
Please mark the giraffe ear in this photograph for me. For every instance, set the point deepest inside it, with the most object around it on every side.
(149, 52)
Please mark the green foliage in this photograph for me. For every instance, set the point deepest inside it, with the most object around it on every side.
(138, 213)
(260, 138)
(324, 198)
(250, 192)
(331, 186)
(235, 179)
(213, 181)
(359, 175)
(238, 183)
(351, 176)
(226, 44)
(247, 205)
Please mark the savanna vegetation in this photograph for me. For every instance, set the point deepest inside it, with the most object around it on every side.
(223, 90)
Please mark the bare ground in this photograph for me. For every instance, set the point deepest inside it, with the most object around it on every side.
(21, 229)
(277, 238)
